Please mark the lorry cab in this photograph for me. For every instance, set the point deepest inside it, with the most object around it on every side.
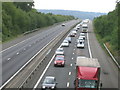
(84, 28)
(87, 74)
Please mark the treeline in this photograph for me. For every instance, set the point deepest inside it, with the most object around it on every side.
(18, 18)
(106, 28)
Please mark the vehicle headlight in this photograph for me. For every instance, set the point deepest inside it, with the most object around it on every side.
(43, 86)
(52, 87)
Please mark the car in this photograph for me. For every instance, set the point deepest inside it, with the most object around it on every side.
(63, 24)
(74, 31)
(59, 51)
(69, 39)
(80, 39)
(65, 43)
(59, 60)
(80, 45)
(72, 35)
(49, 83)
(82, 35)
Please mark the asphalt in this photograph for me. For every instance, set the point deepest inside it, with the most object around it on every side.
(65, 76)
(14, 57)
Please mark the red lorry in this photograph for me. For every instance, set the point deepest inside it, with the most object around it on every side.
(87, 74)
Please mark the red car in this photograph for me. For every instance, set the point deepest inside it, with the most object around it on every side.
(59, 60)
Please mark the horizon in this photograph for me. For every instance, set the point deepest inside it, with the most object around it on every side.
(73, 10)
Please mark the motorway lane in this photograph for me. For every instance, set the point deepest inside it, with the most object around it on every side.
(65, 76)
(16, 56)
(110, 72)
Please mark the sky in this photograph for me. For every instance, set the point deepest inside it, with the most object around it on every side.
(103, 6)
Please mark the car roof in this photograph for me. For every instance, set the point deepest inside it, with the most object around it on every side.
(59, 48)
(51, 77)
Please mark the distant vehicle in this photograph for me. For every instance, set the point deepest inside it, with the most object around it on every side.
(84, 28)
(59, 60)
(49, 83)
(87, 74)
(80, 45)
(74, 32)
(82, 35)
(59, 51)
(80, 39)
(63, 24)
(69, 39)
(65, 43)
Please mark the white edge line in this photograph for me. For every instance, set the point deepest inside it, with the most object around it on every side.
(26, 64)
(16, 44)
(68, 84)
(43, 72)
(89, 46)
(111, 56)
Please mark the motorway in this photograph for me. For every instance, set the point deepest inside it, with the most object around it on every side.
(14, 57)
(65, 76)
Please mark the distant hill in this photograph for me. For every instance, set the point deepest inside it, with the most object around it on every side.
(78, 14)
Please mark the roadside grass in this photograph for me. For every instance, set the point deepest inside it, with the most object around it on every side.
(102, 41)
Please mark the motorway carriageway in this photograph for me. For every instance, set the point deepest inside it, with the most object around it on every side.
(14, 57)
(65, 76)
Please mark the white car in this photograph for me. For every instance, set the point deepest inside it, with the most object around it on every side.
(80, 45)
(63, 24)
(82, 35)
(59, 51)
(69, 39)
(74, 32)
(80, 39)
(65, 43)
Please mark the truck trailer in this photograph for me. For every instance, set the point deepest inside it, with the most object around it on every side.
(87, 74)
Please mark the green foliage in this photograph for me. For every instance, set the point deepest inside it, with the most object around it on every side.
(106, 27)
(18, 18)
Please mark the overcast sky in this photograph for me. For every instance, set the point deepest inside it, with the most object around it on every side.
(80, 5)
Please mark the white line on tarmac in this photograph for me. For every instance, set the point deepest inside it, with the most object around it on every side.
(69, 73)
(8, 59)
(89, 46)
(44, 72)
(68, 84)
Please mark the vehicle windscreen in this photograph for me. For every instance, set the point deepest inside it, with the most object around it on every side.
(59, 58)
(87, 83)
(49, 81)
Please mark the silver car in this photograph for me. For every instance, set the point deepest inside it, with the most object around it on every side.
(59, 51)
(49, 83)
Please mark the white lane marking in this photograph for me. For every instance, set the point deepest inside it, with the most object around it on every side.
(16, 44)
(8, 59)
(73, 53)
(44, 72)
(17, 53)
(74, 49)
(68, 84)
(71, 65)
(89, 46)
(69, 73)
(72, 58)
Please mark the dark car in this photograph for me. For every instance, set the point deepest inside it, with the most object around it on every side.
(49, 83)
(59, 60)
